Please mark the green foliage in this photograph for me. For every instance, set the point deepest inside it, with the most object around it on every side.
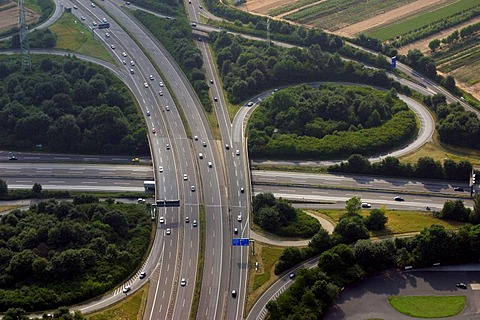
(331, 121)
(353, 205)
(60, 253)
(390, 166)
(175, 35)
(455, 210)
(376, 220)
(67, 105)
(279, 217)
(3, 187)
(350, 228)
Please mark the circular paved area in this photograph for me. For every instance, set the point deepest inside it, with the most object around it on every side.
(368, 299)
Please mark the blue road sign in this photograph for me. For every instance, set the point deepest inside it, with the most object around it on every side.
(242, 242)
(394, 62)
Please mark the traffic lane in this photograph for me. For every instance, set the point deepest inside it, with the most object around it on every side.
(96, 171)
(42, 157)
(376, 198)
(369, 298)
(358, 181)
(76, 184)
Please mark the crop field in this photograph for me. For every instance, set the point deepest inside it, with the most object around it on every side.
(422, 19)
(9, 15)
(335, 14)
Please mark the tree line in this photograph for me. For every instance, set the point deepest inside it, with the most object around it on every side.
(279, 217)
(62, 253)
(66, 105)
(454, 37)
(344, 261)
(424, 168)
(176, 36)
(330, 121)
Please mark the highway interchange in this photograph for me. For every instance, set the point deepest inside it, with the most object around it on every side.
(176, 150)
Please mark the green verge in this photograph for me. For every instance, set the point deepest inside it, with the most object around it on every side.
(428, 306)
(422, 20)
(77, 37)
(399, 221)
(131, 307)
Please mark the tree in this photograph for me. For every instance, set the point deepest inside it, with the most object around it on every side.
(37, 188)
(351, 229)
(263, 200)
(434, 44)
(376, 220)
(353, 205)
(3, 187)
(321, 241)
(15, 314)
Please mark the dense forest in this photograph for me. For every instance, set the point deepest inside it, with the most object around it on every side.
(329, 121)
(67, 105)
(348, 256)
(249, 67)
(62, 253)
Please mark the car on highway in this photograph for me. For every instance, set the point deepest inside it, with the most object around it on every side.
(124, 62)
(168, 231)
(187, 219)
(107, 34)
(161, 220)
(161, 84)
(235, 230)
(132, 71)
(82, 18)
(200, 155)
(127, 3)
(93, 5)
(141, 200)
(458, 189)
(112, 46)
(398, 199)
(145, 85)
(124, 54)
(143, 275)
(215, 99)
(183, 282)
(211, 80)
(13, 158)
(194, 24)
(210, 164)
(239, 218)
(126, 289)
(132, 63)
(366, 205)
(154, 131)
(185, 176)
(148, 113)
(196, 138)
(250, 103)
(160, 93)
(104, 20)
(234, 293)
(204, 143)
(94, 23)
(237, 152)
(160, 169)
(167, 108)
(242, 190)
(292, 275)
(133, 160)
(75, 7)
(461, 285)
(227, 147)
(167, 146)
(194, 223)
(192, 188)
(151, 77)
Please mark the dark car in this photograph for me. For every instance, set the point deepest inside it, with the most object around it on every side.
(291, 275)
(234, 293)
(398, 199)
(458, 189)
(13, 158)
(461, 285)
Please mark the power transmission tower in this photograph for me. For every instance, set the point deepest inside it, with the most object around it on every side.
(24, 47)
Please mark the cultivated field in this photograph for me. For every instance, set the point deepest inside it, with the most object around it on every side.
(9, 16)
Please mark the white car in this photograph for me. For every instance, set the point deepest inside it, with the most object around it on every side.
(196, 137)
(107, 34)
(82, 18)
(148, 113)
(168, 231)
(112, 46)
(167, 108)
(151, 77)
(167, 146)
(126, 289)
(192, 188)
(145, 85)
(250, 104)
(75, 7)
(132, 63)
(132, 71)
(160, 169)
(185, 176)
(160, 92)
(194, 223)
(94, 23)
(161, 220)
(237, 152)
(183, 282)
(161, 84)
(93, 5)
(210, 164)
(204, 143)
(124, 62)
(239, 218)
(124, 54)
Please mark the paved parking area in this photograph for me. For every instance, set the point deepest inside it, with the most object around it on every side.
(368, 299)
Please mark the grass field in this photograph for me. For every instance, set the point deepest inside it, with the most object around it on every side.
(440, 152)
(130, 308)
(6, 208)
(428, 306)
(419, 21)
(76, 37)
(399, 222)
(335, 14)
(266, 256)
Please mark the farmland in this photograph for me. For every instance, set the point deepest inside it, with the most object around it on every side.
(9, 15)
